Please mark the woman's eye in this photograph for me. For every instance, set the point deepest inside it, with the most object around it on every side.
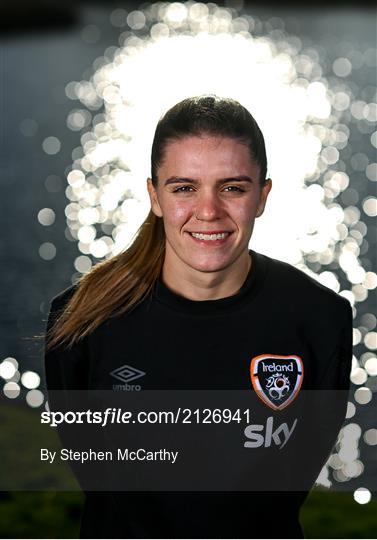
(235, 187)
(182, 189)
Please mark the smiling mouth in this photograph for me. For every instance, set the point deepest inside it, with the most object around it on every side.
(210, 237)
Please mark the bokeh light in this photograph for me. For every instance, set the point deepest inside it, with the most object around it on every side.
(51, 145)
(370, 437)
(30, 379)
(362, 495)
(7, 369)
(46, 216)
(34, 398)
(47, 251)
(11, 390)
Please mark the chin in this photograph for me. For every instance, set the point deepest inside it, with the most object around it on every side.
(208, 264)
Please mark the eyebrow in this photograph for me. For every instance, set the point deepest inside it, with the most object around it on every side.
(181, 180)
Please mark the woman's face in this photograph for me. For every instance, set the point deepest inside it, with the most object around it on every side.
(207, 185)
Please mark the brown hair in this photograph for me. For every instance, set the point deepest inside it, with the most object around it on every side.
(120, 283)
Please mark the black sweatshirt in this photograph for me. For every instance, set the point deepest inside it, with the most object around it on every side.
(169, 341)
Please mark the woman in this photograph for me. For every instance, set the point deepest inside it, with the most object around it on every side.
(189, 306)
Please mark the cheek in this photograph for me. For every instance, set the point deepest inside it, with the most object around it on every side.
(176, 213)
(244, 213)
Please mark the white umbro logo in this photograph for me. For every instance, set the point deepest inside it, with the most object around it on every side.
(126, 374)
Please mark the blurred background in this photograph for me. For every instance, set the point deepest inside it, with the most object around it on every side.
(82, 87)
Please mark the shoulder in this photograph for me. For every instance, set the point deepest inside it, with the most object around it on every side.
(59, 301)
(297, 288)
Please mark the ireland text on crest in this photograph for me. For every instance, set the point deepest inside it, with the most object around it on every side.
(276, 379)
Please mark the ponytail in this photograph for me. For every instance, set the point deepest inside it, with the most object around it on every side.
(113, 286)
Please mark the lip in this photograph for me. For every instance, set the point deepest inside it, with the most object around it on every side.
(209, 232)
(213, 243)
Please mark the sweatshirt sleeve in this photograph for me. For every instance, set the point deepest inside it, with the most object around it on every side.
(66, 372)
(65, 368)
(326, 405)
(336, 375)
(335, 383)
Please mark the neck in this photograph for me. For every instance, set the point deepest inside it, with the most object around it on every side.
(196, 285)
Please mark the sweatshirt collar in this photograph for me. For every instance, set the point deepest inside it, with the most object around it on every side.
(221, 305)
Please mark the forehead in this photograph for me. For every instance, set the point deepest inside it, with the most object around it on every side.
(191, 156)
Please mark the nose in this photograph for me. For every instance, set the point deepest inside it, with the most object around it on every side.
(208, 207)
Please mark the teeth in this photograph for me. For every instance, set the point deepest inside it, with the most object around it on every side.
(209, 236)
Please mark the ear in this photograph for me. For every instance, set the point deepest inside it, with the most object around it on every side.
(156, 209)
(265, 190)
